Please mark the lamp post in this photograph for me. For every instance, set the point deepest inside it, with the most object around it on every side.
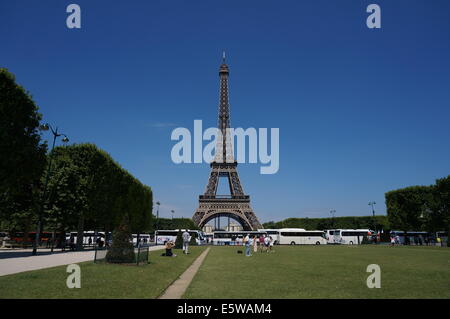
(157, 214)
(173, 212)
(373, 218)
(332, 212)
(65, 139)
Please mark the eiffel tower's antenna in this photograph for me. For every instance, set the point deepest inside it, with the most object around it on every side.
(223, 57)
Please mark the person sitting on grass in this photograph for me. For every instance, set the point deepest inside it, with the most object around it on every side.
(169, 246)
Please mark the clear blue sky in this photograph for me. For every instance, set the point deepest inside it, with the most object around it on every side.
(360, 111)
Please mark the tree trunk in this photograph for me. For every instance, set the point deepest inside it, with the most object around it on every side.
(80, 237)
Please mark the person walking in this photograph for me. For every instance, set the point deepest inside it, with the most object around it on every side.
(392, 241)
(247, 244)
(186, 239)
(255, 244)
(261, 243)
(271, 244)
(266, 243)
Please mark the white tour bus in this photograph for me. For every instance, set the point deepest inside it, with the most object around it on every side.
(143, 239)
(162, 236)
(346, 236)
(274, 233)
(89, 234)
(300, 236)
(222, 237)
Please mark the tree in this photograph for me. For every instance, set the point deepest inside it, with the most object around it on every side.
(179, 240)
(407, 208)
(122, 250)
(193, 241)
(22, 159)
(88, 190)
(440, 215)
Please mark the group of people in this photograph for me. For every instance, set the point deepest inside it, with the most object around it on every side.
(416, 240)
(170, 244)
(264, 242)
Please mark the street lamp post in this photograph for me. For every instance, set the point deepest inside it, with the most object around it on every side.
(157, 214)
(173, 212)
(332, 212)
(65, 139)
(373, 218)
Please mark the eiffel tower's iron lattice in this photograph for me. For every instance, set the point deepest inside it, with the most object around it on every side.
(237, 204)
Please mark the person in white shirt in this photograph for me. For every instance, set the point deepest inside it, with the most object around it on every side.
(186, 239)
(270, 243)
(247, 243)
(267, 243)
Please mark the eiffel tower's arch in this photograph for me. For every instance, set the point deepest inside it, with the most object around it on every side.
(237, 216)
(237, 204)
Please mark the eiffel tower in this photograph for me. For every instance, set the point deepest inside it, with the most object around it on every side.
(236, 205)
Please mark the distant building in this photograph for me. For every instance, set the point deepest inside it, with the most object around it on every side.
(233, 227)
(207, 229)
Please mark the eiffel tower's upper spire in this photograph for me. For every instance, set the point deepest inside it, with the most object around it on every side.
(224, 151)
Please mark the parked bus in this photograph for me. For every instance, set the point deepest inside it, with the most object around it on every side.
(162, 236)
(300, 236)
(86, 235)
(18, 237)
(222, 237)
(143, 239)
(347, 236)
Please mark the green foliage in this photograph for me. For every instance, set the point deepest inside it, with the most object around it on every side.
(406, 207)
(22, 159)
(122, 250)
(420, 207)
(440, 217)
(89, 190)
(179, 240)
(193, 241)
(176, 223)
(349, 222)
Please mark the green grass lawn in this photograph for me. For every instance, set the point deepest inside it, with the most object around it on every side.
(323, 272)
(101, 280)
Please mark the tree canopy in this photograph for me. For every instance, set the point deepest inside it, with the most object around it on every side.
(424, 208)
(22, 159)
(346, 222)
(89, 190)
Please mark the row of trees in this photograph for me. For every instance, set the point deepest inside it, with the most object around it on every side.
(349, 222)
(175, 223)
(424, 208)
(22, 155)
(89, 190)
(86, 188)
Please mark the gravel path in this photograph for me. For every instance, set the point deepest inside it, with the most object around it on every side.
(13, 261)
(177, 289)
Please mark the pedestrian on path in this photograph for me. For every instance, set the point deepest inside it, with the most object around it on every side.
(247, 244)
(186, 239)
(255, 244)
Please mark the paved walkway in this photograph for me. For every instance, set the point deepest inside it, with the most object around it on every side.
(177, 289)
(19, 260)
